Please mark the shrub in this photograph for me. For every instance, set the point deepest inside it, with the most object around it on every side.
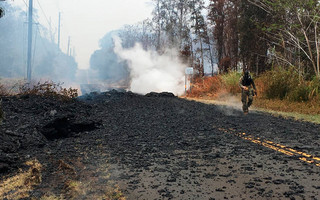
(207, 86)
(231, 81)
(48, 89)
(280, 82)
(3, 90)
(314, 88)
(299, 93)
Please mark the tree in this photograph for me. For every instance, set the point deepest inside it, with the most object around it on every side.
(253, 40)
(171, 19)
(217, 17)
(294, 32)
(200, 30)
(223, 15)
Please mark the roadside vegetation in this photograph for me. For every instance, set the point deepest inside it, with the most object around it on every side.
(281, 90)
(47, 88)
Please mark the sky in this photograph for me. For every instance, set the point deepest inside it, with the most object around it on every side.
(87, 21)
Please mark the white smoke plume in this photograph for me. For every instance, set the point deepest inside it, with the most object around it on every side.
(151, 72)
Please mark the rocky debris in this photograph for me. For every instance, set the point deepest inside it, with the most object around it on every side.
(158, 146)
(162, 94)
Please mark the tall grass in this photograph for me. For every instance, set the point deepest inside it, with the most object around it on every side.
(231, 81)
(206, 86)
(282, 83)
(214, 86)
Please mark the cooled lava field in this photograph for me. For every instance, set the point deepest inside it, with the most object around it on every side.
(154, 146)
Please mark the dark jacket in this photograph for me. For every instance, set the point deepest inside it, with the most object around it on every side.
(247, 82)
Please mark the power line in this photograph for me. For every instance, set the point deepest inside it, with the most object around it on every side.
(37, 22)
(25, 3)
(44, 13)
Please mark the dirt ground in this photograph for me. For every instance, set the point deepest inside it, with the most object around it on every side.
(153, 147)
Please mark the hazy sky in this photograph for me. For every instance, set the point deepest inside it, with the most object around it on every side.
(87, 21)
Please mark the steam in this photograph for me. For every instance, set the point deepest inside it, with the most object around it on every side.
(151, 72)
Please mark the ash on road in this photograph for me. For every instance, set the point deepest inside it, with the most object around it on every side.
(157, 147)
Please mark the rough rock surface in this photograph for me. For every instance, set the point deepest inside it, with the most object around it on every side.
(159, 147)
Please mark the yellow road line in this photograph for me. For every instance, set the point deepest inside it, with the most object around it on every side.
(277, 147)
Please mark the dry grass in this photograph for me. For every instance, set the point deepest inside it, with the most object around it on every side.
(206, 87)
(48, 88)
(310, 107)
(308, 110)
(10, 87)
(19, 186)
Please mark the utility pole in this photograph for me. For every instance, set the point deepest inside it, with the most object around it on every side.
(30, 40)
(59, 30)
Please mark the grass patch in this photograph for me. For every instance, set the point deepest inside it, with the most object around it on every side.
(306, 108)
(206, 87)
(280, 92)
(231, 82)
(48, 88)
(272, 107)
(19, 186)
(13, 87)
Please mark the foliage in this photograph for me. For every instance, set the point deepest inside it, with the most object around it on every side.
(253, 42)
(207, 86)
(287, 84)
(314, 88)
(231, 81)
(293, 32)
(279, 82)
(48, 89)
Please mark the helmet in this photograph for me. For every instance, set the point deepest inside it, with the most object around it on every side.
(246, 74)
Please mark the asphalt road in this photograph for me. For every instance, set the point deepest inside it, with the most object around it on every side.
(158, 147)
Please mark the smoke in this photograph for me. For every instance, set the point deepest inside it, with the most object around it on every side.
(48, 63)
(230, 105)
(151, 72)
